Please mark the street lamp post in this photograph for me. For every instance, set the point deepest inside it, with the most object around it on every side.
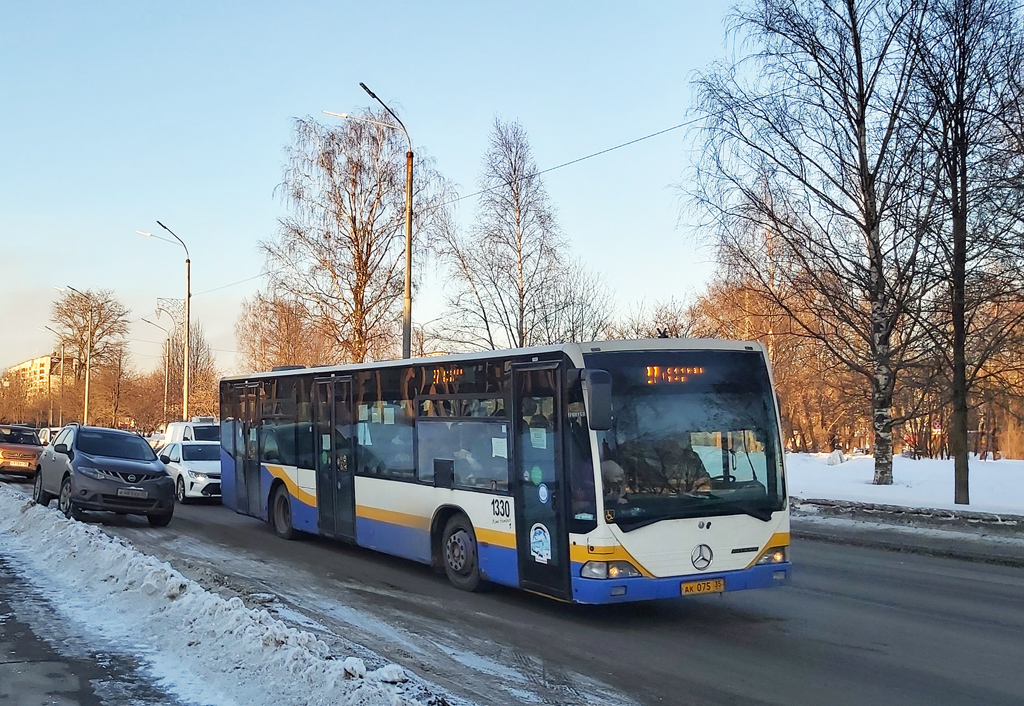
(49, 378)
(407, 302)
(167, 357)
(188, 297)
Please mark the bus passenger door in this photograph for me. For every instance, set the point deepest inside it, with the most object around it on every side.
(248, 489)
(335, 484)
(539, 480)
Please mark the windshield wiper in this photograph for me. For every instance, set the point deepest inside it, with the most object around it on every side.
(754, 511)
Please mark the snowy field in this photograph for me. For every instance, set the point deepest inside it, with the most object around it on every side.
(198, 646)
(995, 486)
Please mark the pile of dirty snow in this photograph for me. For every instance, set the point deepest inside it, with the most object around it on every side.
(199, 646)
(995, 486)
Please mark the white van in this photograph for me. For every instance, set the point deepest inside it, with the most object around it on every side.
(199, 429)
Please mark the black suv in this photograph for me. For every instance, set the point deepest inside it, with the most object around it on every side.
(92, 468)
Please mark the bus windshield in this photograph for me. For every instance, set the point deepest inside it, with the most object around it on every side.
(693, 434)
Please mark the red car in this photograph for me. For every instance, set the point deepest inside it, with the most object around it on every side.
(20, 450)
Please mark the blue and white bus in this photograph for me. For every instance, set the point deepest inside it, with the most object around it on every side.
(595, 473)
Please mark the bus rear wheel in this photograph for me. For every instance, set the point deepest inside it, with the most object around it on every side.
(281, 513)
(459, 549)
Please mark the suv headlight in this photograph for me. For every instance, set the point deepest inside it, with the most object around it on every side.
(609, 570)
(92, 472)
(775, 555)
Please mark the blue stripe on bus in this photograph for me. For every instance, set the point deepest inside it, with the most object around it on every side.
(645, 589)
(227, 479)
(408, 542)
(499, 564)
(304, 517)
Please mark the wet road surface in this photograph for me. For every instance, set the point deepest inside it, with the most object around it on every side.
(856, 626)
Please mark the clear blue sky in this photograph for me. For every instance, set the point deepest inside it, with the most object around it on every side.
(113, 115)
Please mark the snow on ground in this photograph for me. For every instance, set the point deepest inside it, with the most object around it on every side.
(995, 486)
(200, 647)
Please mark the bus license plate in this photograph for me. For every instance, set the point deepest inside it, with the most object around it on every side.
(692, 588)
(132, 493)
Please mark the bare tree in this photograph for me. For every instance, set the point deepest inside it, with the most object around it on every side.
(505, 272)
(971, 52)
(579, 307)
(807, 145)
(671, 318)
(73, 316)
(341, 250)
(278, 330)
(203, 373)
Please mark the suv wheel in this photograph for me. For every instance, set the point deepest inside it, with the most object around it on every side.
(38, 494)
(65, 503)
(161, 520)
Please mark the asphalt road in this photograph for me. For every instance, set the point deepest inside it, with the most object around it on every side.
(856, 625)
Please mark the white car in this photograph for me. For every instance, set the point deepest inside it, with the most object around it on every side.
(195, 468)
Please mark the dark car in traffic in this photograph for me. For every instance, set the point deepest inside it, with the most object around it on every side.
(94, 468)
(20, 449)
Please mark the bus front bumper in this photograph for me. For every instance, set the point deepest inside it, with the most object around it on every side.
(646, 589)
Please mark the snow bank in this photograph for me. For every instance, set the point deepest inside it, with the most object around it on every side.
(996, 486)
(199, 646)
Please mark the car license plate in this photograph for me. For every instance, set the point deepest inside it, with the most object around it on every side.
(20, 464)
(132, 493)
(692, 588)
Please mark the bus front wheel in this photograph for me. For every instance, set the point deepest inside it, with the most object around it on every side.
(458, 545)
(281, 513)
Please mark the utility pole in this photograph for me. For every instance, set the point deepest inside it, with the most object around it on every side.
(88, 370)
(61, 423)
(167, 350)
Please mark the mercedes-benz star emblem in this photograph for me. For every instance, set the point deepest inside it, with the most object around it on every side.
(701, 557)
(131, 479)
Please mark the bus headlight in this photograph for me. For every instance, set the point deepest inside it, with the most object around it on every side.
(609, 570)
(775, 555)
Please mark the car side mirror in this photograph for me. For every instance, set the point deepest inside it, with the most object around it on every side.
(61, 449)
(164, 458)
(597, 391)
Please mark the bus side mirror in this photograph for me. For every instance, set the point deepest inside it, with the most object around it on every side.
(597, 391)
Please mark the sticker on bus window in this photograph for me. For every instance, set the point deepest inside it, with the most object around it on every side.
(499, 447)
(543, 494)
(363, 430)
(389, 415)
(538, 438)
(540, 543)
(375, 415)
(364, 412)
(325, 442)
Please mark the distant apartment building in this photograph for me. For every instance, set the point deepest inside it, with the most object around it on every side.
(34, 373)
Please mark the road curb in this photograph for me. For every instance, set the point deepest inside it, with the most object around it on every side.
(974, 550)
(933, 516)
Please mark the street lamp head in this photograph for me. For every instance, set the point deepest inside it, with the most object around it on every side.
(59, 289)
(142, 232)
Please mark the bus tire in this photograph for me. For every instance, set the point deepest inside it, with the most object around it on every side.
(281, 513)
(459, 554)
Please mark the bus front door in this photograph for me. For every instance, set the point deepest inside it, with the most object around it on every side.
(334, 479)
(539, 480)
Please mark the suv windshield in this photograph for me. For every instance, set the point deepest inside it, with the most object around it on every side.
(9, 435)
(693, 434)
(114, 445)
(206, 433)
(200, 452)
